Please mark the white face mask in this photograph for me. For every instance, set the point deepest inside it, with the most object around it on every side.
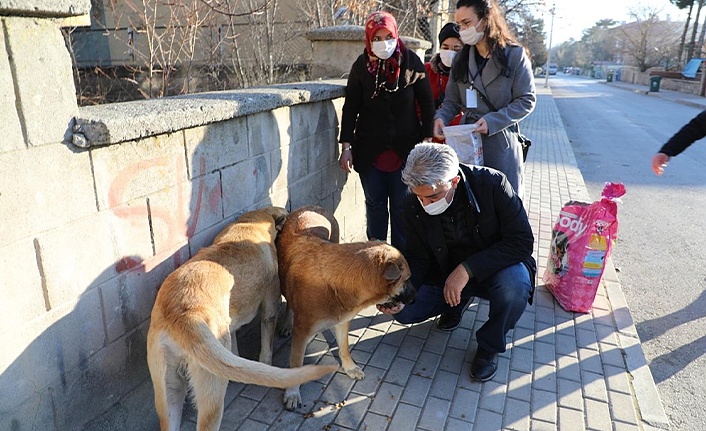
(438, 207)
(383, 49)
(447, 56)
(471, 36)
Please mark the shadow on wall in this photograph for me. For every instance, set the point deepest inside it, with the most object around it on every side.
(87, 370)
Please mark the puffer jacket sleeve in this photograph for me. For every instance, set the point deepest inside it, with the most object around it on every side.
(687, 135)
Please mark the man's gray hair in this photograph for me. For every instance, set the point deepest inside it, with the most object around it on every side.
(430, 165)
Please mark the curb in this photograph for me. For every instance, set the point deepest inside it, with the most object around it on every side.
(648, 401)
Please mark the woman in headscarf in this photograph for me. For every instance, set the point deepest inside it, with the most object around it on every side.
(439, 66)
(379, 124)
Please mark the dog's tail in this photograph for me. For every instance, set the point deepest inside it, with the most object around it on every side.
(214, 357)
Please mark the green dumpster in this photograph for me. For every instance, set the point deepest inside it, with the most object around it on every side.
(654, 83)
(609, 77)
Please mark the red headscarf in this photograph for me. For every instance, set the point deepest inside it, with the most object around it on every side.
(386, 72)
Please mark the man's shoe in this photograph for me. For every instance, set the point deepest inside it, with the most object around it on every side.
(484, 365)
(449, 321)
(452, 319)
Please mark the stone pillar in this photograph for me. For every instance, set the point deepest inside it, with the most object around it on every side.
(336, 48)
(37, 108)
(36, 73)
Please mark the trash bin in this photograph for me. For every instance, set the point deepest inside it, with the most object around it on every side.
(609, 77)
(654, 83)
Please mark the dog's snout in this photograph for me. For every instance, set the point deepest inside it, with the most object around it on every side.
(408, 293)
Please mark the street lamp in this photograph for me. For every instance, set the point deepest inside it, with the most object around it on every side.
(549, 51)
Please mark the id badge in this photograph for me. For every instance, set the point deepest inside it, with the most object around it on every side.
(471, 98)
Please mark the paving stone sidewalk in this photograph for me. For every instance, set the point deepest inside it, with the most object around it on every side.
(563, 371)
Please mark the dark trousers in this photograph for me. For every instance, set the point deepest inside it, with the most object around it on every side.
(507, 292)
(381, 188)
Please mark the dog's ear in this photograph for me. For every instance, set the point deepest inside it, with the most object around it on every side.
(392, 271)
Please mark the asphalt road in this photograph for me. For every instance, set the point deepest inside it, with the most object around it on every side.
(661, 250)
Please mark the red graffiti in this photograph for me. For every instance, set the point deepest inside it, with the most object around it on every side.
(127, 263)
(179, 222)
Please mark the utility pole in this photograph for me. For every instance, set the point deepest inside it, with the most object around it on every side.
(549, 51)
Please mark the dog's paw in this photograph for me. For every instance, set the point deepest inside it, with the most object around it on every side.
(292, 399)
(355, 373)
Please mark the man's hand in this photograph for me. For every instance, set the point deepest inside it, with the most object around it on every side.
(390, 310)
(455, 283)
(659, 162)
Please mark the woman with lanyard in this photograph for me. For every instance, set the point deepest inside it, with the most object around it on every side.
(379, 123)
(491, 79)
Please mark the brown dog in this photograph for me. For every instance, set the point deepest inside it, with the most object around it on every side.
(218, 290)
(326, 284)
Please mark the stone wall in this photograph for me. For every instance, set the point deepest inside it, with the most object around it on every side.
(98, 205)
(682, 85)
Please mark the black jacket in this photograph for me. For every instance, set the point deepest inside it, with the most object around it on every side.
(687, 135)
(496, 221)
(389, 120)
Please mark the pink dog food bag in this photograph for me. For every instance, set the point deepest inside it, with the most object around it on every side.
(582, 240)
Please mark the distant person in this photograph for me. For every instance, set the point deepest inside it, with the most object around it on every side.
(492, 80)
(439, 66)
(687, 135)
(379, 124)
(467, 235)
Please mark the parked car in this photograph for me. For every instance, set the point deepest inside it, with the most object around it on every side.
(542, 71)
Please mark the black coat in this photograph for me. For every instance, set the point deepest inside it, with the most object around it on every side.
(500, 233)
(389, 120)
(687, 135)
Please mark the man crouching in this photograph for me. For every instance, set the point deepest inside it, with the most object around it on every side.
(467, 235)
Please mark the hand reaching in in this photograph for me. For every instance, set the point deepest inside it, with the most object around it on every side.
(659, 162)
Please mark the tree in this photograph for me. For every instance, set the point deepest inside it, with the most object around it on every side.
(531, 34)
(597, 43)
(567, 53)
(648, 41)
(692, 44)
(683, 4)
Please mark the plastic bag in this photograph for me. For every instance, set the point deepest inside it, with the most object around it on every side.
(466, 142)
(582, 240)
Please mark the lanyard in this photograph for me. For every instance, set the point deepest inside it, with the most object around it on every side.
(479, 72)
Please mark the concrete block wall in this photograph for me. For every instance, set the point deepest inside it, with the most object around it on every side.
(98, 205)
(643, 78)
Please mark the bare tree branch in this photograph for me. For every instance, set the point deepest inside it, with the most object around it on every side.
(217, 9)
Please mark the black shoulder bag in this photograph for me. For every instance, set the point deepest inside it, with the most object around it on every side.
(522, 139)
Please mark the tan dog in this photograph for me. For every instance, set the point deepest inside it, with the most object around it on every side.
(326, 284)
(217, 291)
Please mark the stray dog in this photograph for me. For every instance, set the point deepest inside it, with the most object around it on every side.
(326, 284)
(218, 290)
